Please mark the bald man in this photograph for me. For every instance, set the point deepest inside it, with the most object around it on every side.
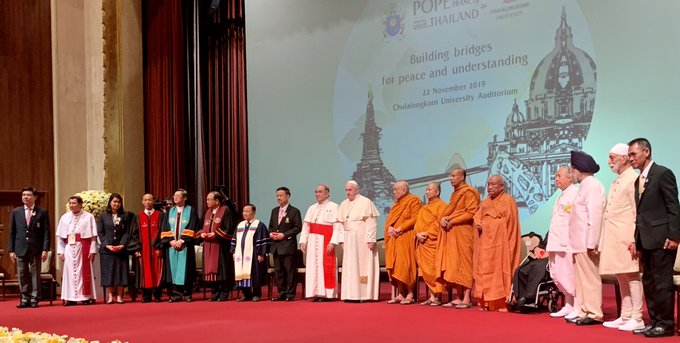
(427, 231)
(497, 246)
(400, 259)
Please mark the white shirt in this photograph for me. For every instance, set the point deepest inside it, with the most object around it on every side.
(585, 219)
(558, 240)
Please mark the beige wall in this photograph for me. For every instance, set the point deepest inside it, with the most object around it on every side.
(83, 114)
(98, 112)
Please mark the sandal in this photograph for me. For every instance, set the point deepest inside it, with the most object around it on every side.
(463, 306)
(436, 303)
(426, 302)
(407, 302)
(394, 301)
(449, 305)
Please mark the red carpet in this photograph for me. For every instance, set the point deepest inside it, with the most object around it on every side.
(302, 321)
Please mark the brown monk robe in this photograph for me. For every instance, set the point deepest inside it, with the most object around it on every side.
(455, 245)
(497, 246)
(427, 233)
(400, 260)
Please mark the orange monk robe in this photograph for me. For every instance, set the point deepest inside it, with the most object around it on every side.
(497, 249)
(400, 260)
(426, 253)
(455, 246)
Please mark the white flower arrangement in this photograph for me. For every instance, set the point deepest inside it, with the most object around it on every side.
(17, 336)
(94, 201)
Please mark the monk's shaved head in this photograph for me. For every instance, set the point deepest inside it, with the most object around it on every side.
(432, 191)
(400, 189)
(495, 185)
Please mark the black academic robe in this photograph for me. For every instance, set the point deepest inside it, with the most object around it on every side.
(261, 242)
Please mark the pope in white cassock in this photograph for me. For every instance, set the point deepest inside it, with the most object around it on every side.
(77, 247)
(360, 265)
(320, 234)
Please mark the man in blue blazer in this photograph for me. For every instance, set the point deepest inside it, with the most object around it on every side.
(657, 232)
(29, 242)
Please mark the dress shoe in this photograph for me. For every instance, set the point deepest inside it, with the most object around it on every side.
(659, 331)
(521, 301)
(34, 305)
(643, 330)
(188, 299)
(572, 320)
(588, 321)
(256, 299)
(23, 305)
(174, 299)
(69, 303)
(290, 298)
(157, 300)
(278, 299)
(242, 299)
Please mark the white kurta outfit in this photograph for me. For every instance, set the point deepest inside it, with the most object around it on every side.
(360, 266)
(618, 231)
(585, 222)
(72, 232)
(316, 274)
(560, 258)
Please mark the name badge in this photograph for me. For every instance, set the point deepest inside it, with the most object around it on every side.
(72, 238)
(287, 220)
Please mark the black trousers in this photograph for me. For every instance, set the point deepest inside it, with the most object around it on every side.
(250, 292)
(147, 292)
(527, 277)
(182, 290)
(284, 266)
(657, 282)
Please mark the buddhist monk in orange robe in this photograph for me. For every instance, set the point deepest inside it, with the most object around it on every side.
(455, 246)
(400, 260)
(427, 233)
(497, 246)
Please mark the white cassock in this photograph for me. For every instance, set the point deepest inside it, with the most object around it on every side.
(360, 266)
(320, 227)
(76, 239)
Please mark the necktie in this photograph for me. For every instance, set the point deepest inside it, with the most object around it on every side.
(247, 225)
(281, 214)
(28, 216)
(641, 186)
(148, 213)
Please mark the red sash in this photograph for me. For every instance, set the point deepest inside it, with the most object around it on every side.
(329, 261)
(87, 270)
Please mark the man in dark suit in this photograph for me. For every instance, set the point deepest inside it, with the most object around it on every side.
(29, 242)
(657, 232)
(284, 225)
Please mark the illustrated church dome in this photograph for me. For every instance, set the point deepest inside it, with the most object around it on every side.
(565, 71)
(514, 125)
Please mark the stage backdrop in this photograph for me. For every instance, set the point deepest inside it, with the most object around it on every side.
(379, 91)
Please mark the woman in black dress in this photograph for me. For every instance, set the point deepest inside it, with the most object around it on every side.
(113, 228)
